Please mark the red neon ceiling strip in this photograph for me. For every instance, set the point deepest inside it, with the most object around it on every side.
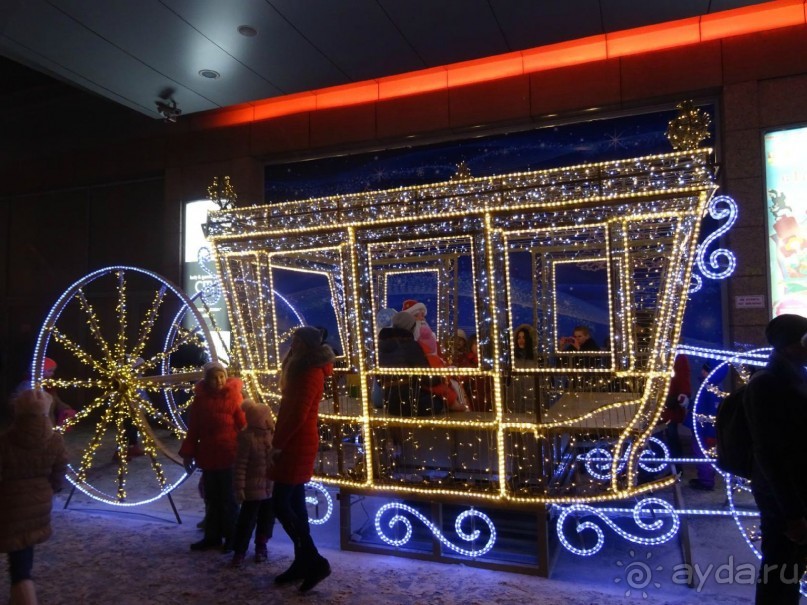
(770, 15)
(749, 19)
(653, 37)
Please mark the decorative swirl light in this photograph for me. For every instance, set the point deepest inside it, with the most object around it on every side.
(713, 269)
(598, 458)
(648, 456)
(211, 289)
(656, 507)
(407, 524)
(696, 283)
(314, 501)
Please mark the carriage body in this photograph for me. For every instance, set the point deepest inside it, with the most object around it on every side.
(504, 245)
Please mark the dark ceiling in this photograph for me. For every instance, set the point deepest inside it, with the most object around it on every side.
(134, 52)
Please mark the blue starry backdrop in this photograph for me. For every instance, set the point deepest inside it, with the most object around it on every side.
(580, 289)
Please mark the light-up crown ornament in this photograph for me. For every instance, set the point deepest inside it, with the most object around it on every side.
(689, 128)
(463, 172)
(222, 193)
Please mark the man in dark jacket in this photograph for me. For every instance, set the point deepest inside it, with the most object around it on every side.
(776, 409)
(397, 348)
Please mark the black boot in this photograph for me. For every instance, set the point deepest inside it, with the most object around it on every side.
(261, 552)
(296, 570)
(316, 573)
(292, 574)
(206, 544)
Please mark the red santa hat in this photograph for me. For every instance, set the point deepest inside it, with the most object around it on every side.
(413, 306)
(49, 364)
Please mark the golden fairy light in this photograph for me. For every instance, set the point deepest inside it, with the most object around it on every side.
(690, 128)
(635, 220)
(124, 373)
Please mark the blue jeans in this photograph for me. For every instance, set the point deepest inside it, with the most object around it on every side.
(291, 511)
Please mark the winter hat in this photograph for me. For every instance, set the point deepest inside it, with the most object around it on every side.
(214, 365)
(50, 364)
(311, 337)
(413, 306)
(403, 321)
(785, 330)
(257, 414)
(461, 333)
(33, 402)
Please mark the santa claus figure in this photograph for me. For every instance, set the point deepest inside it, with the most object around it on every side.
(423, 332)
(450, 390)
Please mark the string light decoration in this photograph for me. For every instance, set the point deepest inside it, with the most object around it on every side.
(222, 193)
(399, 520)
(722, 262)
(119, 371)
(638, 219)
(317, 494)
(690, 128)
(656, 518)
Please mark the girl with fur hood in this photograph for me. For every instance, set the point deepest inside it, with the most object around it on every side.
(253, 488)
(214, 421)
(33, 460)
(296, 442)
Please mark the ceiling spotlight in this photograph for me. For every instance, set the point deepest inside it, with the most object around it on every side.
(246, 30)
(168, 110)
(210, 74)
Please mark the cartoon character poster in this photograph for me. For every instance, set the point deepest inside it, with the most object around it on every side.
(786, 199)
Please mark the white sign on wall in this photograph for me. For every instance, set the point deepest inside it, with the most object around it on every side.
(200, 275)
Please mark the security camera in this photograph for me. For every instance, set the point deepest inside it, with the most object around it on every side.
(168, 110)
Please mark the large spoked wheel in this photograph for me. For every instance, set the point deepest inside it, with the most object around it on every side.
(121, 336)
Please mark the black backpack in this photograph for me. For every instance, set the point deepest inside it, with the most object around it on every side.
(734, 447)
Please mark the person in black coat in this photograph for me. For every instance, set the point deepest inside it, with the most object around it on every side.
(397, 348)
(776, 409)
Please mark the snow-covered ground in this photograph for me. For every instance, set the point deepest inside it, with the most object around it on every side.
(102, 555)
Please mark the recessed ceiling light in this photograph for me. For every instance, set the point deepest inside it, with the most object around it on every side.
(246, 30)
(209, 73)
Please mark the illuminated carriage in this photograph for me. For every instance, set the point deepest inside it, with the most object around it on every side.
(488, 254)
(633, 223)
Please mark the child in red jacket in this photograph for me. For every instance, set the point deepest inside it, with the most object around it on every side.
(215, 418)
(296, 442)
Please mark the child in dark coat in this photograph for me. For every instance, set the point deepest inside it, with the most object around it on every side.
(253, 488)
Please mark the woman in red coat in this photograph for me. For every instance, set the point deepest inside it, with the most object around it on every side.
(215, 419)
(295, 446)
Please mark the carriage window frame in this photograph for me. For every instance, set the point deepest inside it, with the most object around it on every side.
(341, 320)
(442, 246)
(609, 296)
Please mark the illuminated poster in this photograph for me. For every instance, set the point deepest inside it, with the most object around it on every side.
(200, 276)
(786, 197)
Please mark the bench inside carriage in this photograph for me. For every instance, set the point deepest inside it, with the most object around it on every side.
(541, 444)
